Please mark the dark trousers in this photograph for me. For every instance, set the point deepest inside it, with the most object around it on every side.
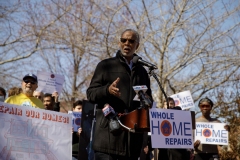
(173, 154)
(106, 156)
(206, 156)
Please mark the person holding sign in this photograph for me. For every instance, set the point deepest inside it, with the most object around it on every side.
(112, 86)
(77, 107)
(2, 94)
(173, 154)
(50, 102)
(207, 151)
(29, 85)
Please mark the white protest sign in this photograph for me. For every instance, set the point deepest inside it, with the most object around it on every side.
(171, 128)
(76, 120)
(211, 133)
(31, 133)
(183, 99)
(49, 82)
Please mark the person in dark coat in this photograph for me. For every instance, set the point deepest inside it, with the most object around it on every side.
(112, 83)
(173, 154)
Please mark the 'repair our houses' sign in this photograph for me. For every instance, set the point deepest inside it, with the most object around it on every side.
(30, 133)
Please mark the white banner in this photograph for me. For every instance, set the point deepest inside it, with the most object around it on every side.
(49, 82)
(76, 120)
(211, 133)
(171, 128)
(183, 99)
(31, 133)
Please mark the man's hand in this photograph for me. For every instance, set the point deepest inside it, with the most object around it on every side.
(145, 149)
(79, 131)
(196, 144)
(55, 95)
(227, 127)
(113, 90)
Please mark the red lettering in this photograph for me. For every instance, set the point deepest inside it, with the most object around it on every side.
(59, 118)
(11, 111)
(19, 112)
(6, 110)
(54, 117)
(64, 120)
(37, 115)
(1, 108)
(49, 117)
(44, 116)
(67, 119)
(32, 113)
(27, 113)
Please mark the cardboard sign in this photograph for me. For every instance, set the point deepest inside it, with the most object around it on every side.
(49, 82)
(76, 120)
(183, 99)
(171, 128)
(211, 133)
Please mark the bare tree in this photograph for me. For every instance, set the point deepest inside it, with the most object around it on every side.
(195, 44)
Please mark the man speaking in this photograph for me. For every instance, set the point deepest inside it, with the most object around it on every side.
(112, 83)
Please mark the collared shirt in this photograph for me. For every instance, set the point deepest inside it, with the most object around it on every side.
(129, 65)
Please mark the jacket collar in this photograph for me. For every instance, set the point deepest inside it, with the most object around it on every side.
(120, 56)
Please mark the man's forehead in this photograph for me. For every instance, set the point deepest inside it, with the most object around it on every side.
(47, 98)
(129, 34)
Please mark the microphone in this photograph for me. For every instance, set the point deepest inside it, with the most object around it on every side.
(137, 59)
(140, 90)
(114, 125)
(108, 111)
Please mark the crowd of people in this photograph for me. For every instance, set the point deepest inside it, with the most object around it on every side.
(28, 96)
(112, 83)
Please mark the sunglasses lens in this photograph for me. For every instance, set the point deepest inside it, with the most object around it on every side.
(123, 40)
(131, 41)
(26, 81)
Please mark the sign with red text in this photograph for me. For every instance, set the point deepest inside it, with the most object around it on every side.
(49, 82)
(76, 120)
(171, 128)
(31, 133)
(183, 99)
(211, 133)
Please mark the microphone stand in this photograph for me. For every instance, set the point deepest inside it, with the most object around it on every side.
(151, 73)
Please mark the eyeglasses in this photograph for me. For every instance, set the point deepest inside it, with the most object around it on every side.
(123, 40)
(28, 81)
(206, 106)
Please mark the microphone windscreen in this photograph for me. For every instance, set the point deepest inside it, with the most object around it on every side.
(135, 59)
